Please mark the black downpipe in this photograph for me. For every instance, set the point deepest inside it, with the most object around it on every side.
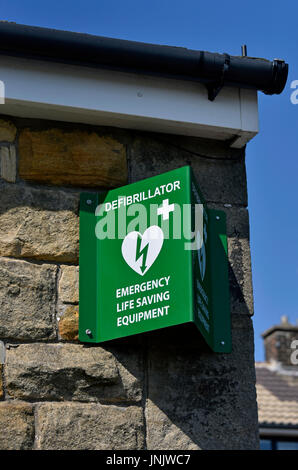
(212, 69)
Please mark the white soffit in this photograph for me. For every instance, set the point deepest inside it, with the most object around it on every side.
(47, 90)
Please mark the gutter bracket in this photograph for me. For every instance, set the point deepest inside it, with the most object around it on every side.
(214, 88)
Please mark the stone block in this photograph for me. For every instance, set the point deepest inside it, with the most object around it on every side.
(2, 361)
(69, 284)
(71, 157)
(240, 278)
(39, 223)
(221, 180)
(8, 163)
(73, 372)
(208, 401)
(85, 426)
(27, 300)
(17, 426)
(68, 324)
(1, 383)
(7, 131)
(202, 147)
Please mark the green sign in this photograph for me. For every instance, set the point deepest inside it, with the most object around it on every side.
(153, 256)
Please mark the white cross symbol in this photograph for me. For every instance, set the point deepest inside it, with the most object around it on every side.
(165, 209)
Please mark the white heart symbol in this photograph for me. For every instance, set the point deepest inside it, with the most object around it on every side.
(140, 251)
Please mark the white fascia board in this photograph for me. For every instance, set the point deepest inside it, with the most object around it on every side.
(63, 92)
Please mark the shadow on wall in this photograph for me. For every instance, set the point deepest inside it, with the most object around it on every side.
(194, 398)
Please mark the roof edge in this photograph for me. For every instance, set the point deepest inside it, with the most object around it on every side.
(213, 69)
(287, 328)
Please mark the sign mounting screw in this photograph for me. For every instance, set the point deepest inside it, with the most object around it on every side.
(89, 201)
(217, 217)
(88, 332)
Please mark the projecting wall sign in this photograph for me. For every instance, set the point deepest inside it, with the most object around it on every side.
(153, 256)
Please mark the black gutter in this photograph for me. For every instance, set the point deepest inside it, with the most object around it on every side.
(212, 69)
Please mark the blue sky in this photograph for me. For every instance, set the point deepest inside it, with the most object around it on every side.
(270, 30)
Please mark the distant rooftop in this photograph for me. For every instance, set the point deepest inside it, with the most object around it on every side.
(277, 395)
(277, 378)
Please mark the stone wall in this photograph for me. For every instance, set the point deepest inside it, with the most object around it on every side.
(163, 390)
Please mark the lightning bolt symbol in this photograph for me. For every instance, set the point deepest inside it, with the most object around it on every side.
(142, 252)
